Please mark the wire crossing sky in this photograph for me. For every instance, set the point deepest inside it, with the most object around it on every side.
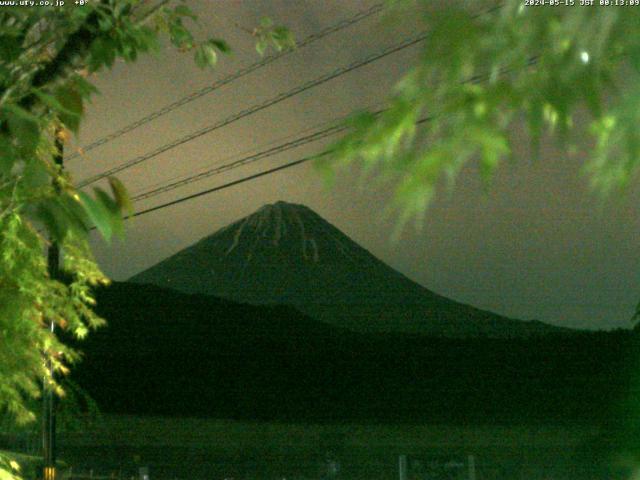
(406, 43)
(341, 25)
(301, 141)
(286, 146)
(531, 245)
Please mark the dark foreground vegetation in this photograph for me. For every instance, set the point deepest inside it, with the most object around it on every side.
(168, 353)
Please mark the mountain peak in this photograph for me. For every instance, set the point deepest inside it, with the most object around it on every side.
(286, 229)
(285, 253)
(285, 205)
(282, 210)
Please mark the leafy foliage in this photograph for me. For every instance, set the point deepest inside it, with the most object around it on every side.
(481, 72)
(268, 34)
(9, 468)
(47, 57)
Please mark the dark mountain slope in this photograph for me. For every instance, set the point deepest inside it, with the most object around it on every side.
(287, 254)
(170, 353)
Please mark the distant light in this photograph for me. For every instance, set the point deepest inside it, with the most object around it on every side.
(584, 56)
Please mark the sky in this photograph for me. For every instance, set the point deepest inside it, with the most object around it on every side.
(536, 244)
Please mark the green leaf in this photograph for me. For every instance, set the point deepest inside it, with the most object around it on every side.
(67, 103)
(62, 214)
(200, 58)
(24, 127)
(10, 48)
(54, 218)
(184, 11)
(82, 86)
(35, 175)
(180, 36)
(261, 46)
(283, 38)
(122, 9)
(7, 475)
(76, 213)
(266, 22)
(592, 93)
(210, 54)
(7, 155)
(98, 213)
(220, 44)
(71, 100)
(105, 23)
(103, 52)
(146, 38)
(49, 100)
(115, 215)
(121, 195)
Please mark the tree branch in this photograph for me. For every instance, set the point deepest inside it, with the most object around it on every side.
(148, 15)
(77, 44)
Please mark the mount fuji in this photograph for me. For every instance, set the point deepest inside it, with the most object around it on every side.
(287, 254)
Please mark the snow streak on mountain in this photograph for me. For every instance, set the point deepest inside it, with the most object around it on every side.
(287, 254)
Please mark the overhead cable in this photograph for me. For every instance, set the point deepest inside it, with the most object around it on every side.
(341, 25)
(408, 42)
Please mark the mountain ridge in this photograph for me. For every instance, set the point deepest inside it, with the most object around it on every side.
(286, 253)
(169, 353)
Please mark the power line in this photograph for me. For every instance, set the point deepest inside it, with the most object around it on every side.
(318, 135)
(408, 42)
(269, 152)
(266, 148)
(231, 78)
(245, 179)
(301, 141)
(231, 184)
(475, 79)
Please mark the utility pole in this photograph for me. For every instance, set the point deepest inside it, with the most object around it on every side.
(48, 406)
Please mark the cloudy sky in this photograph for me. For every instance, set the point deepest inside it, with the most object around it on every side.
(536, 245)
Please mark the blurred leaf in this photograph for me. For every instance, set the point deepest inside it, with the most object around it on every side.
(199, 57)
(103, 52)
(67, 103)
(261, 46)
(121, 195)
(210, 54)
(54, 218)
(180, 36)
(99, 214)
(105, 23)
(77, 214)
(283, 38)
(81, 85)
(145, 38)
(115, 214)
(10, 48)
(48, 100)
(7, 155)
(592, 93)
(184, 11)
(35, 175)
(24, 127)
(266, 22)
(122, 9)
(220, 44)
